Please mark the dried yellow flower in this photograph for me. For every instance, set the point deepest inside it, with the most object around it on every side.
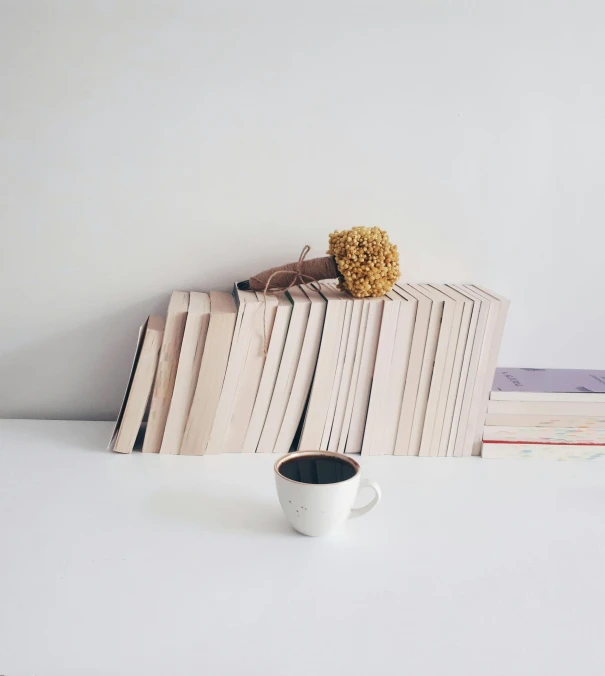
(367, 261)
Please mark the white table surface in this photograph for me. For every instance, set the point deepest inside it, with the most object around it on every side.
(149, 565)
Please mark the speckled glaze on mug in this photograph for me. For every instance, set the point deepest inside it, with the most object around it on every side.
(318, 508)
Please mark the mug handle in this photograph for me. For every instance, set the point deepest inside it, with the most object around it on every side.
(360, 511)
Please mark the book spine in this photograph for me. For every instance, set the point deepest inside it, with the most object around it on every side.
(547, 408)
(502, 451)
(551, 435)
(596, 397)
(502, 305)
(537, 420)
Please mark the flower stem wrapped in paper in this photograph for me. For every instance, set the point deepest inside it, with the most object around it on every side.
(363, 259)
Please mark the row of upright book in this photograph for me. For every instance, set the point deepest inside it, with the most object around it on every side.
(313, 368)
(550, 414)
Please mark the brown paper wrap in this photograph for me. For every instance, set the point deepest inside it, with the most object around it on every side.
(285, 276)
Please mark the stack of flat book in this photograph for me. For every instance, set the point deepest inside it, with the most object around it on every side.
(313, 368)
(553, 414)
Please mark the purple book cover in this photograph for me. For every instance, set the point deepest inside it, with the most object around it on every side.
(549, 380)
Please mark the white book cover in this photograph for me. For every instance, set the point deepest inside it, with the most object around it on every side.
(247, 307)
(498, 451)
(304, 372)
(135, 359)
(414, 371)
(190, 359)
(544, 435)
(579, 408)
(463, 443)
(428, 363)
(249, 381)
(167, 367)
(364, 379)
(384, 351)
(365, 311)
(287, 369)
(457, 348)
(537, 420)
(449, 435)
(347, 374)
(223, 317)
(492, 360)
(442, 372)
(338, 376)
(325, 371)
(380, 381)
(270, 370)
(385, 432)
(140, 384)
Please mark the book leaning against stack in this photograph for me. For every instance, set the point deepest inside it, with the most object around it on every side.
(313, 368)
(549, 414)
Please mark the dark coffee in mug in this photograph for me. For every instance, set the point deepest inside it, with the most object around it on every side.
(317, 469)
(317, 490)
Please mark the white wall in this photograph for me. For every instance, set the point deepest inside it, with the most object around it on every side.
(151, 146)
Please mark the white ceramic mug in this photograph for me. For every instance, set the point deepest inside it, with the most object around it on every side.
(318, 494)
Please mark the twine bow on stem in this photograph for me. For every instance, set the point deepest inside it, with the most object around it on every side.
(297, 276)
